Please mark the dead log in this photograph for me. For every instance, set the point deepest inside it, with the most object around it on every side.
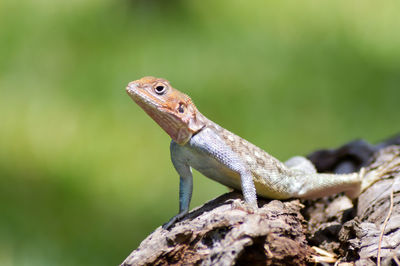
(224, 232)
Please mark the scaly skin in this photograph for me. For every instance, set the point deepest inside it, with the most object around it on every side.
(199, 143)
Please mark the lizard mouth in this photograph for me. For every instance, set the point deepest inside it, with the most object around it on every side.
(142, 99)
(151, 105)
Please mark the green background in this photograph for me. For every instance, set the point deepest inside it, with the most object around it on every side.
(85, 175)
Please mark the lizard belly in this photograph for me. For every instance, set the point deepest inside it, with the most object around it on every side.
(217, 171)
(213, 169)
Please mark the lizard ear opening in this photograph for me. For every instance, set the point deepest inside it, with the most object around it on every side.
(181, 108)
(193, 121)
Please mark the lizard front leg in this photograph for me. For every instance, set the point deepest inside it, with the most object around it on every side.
(185, 186)
(207, 153)
(215, 154)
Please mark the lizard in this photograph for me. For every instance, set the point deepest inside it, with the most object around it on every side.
(219, 154)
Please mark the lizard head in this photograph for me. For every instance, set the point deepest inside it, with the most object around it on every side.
(173, 110)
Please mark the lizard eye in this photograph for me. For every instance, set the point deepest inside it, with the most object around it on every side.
(160, 89)
(181, 108)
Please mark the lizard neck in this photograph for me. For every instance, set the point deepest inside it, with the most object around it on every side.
(191, 127)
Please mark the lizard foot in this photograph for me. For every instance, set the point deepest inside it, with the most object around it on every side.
(174, 220)
(243, 206)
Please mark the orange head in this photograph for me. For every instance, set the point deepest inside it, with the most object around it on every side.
(173, 110)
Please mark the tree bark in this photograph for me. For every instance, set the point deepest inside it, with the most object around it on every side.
(224, 232)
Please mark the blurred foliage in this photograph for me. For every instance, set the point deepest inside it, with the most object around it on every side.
(85, 175)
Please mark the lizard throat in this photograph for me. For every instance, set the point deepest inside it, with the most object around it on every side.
(175, 127)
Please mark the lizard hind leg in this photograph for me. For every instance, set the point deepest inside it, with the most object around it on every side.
(302, 164)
